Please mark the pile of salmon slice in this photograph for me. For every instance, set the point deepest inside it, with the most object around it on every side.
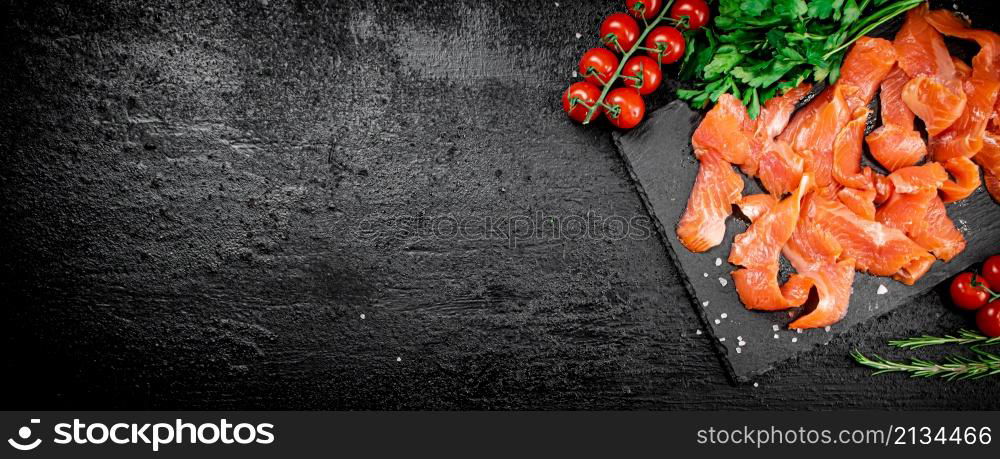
(824, 212)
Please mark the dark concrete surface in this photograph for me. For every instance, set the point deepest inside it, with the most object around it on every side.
(201, 199)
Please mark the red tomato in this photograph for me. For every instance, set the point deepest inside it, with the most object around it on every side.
(619, 32)
(988, 319)
(643, 9)
(598, 65)
(666, 44)
(991, 270)
(965, 296)
(645, 72)
(578, 99)
(696, 11)
(625, 107)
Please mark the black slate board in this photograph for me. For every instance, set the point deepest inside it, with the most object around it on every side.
(659, 158)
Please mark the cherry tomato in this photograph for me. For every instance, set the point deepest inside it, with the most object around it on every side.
(625, 107)
(967, 297)
(619, 32)
(666, 44)
(696, 11)
(598, 65)
(991, 270)
(988, 319)
(646, 74)
(643, 9)
(578, 99)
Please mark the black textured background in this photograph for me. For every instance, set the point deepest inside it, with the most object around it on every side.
(200, 199)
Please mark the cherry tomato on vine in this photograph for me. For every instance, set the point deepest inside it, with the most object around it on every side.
(625, 107)
(598, 65)
(666, 44)
(578, 99)
(696, 11)
(991, 270)
(643, 9)
(988, 319)
(965, 295)
(642, 73)
(619, 32)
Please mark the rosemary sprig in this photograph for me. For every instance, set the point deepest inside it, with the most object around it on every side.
(954, 367)
(965, 337)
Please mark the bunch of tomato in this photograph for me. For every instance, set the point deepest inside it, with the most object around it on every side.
(977, 292)
(641, 74)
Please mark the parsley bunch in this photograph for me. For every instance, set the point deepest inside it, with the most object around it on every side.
(760, 48)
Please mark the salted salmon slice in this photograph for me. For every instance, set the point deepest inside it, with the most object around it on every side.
(883, 188)
(777, 111)
(965, 136)
(757, 251)
(894, 111)
(847, 152)
(780, 168)
(934, 93)
(965, 179)
(775, 163)
(754, 205)
(896, 144)
(989, 159)
(986, 63)
(816, 255)
(866, 65)
(876, 248)
(716, 188)
(861, 202)
(813, 135)
(914, 179)
(937, 232)
(727, 131)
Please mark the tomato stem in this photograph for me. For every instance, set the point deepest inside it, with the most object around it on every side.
(975, 283)
(664, 13)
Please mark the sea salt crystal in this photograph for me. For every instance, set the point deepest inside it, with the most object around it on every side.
(722, 340)
(774, 327)
(705, 304)
(575, 74)
(775, 336)
(362, 316)
(706, 274)
(399, 359)
(718, 261)
(827, 328)
(756, 385)
(738, 350)
(724, 315)
(697, 332)
(578, 35)
(798, 330)
(795, 340)
(557, 4)
(717, 321)
(882, 290)
(723, 281)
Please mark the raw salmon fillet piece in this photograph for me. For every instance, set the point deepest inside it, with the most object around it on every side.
(934, 93)
(812, 133)
(775, 163)
(876, 248)
(816, 255)
(727, 131)
(716, 188)
(896, 144)
(965, 182)
(861, 202)
(937, 233)
(847, 152)
(913, 179)
(757, 251)
(866, 65)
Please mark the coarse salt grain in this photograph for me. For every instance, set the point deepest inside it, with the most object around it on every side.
(578, 35)
(718, 261)
(705, 304)
(775, 336)
(723, 339)
(756, 385)
(724, 315)
(362, 317)
(575, 74)
(706, 274)
(717, 322)
(795, 340)
(882, 290)
(399, 359)
(723, 281)
(738, 350)
(798, 330)
(827, 328)
(774, 327)
(697, 332)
